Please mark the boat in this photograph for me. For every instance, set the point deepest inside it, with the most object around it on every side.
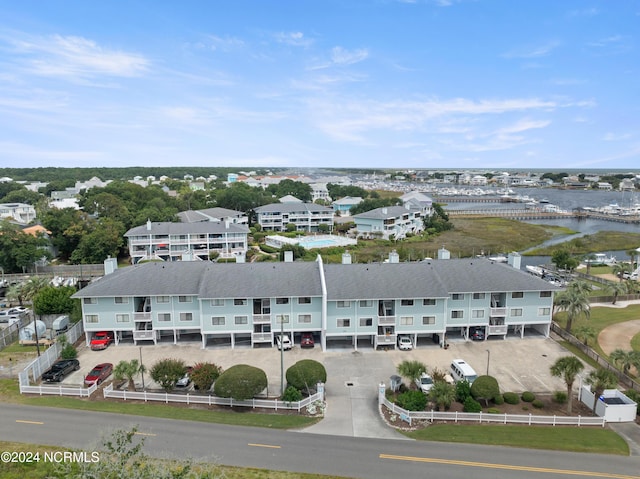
(535, 270)
(601, 259)
(544, 200)
(499, 258)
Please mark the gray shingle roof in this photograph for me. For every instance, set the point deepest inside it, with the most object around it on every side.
(192, 216)
(292, 208)
(384, 213)
(204, 227)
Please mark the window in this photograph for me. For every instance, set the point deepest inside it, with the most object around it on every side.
(545, 294)
(239, 302)
(164, 316)
(186, 316)
(457, 314)
(428, 302)
(366, 322)
(163, 299)
(477, 313)
(90, 300)
(217, 320)
(478, 295)
(366, 303)
(282, 319)
(457, 296)
(184, 299)
(282, 300)
(217, 302)
(304, 318)
(241, 320)
(91, 318)
(406, 320)
(304, 300)
(544, 311)
(122, 318)
(516, 312)
(406, 302)
(343, 304)
(343, 322)
(428, 320)
(517, 295)
(121, 300)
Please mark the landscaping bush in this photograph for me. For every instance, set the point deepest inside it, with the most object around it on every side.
(498, 400)
(560, 397)
(69, 352)
(268, 249)
(537, 403)
(306, 374)
(528, 396)
(511, 398)
(292, 394)
(204, 375)
(463, 391)
(167, 371)
(635, 397)
(493, 410)
(240, 382)
(412, 401)
(471, 405)
(485, 388)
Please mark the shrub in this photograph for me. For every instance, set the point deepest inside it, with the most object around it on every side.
(305, 374)
(463, 391)
(268, 249)
(240, 382)
(511, 398)
(412, 400)
(291, 394)
(69, 352)
(635, 397)
(484, 388)
(167, 371)
(528, 396)
(437, 374)
(560, 397)
(204, 375)
(537, 403)
(493, 410)
(471, 405)
(498, 400)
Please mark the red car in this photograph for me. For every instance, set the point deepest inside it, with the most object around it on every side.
(306, 340)
(101, 340)
(98, 374)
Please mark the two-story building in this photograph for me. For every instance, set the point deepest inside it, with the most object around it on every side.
(172, 241)
(389, 221)
(357, 304)
(305, 216)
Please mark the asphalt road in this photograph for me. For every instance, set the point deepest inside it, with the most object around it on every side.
(296, 452)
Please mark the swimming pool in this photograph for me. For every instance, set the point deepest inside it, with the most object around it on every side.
(310, 242)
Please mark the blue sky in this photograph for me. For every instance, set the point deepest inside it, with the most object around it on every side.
(346, 83)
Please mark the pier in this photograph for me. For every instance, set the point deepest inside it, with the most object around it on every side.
(533, 214)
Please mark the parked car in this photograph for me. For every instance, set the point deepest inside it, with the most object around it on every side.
(5, 316)
(101, 340)
(61, 370)
(283, 342)
(424, 383)
(306, 340)
(98, 374)
(405, 343)
(477, 334)
(185, 380)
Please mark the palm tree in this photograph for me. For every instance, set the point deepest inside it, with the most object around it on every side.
(14, 293)
(619, 269)
(412, 371)
(575, 301)
(599, 380)
(568, 368)
(632, 254)
(442, 394)
(128, 370)
(589, 258)
(585, 333)
(33, 286)
(625, 359)
(617, 289)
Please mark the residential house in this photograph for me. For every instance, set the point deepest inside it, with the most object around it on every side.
(172, 241)
(396, 221)
(305, 216)
(358, 304)
(216, 215)
(417, 201)
(319, 191)
(20, 213)
(343, 205)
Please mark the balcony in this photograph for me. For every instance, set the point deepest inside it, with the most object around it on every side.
(386, 339)
(498, 312)
(142, 316)
(148, 335)
(261, 337)
(386, 320)
(261, 318)
(497, 330)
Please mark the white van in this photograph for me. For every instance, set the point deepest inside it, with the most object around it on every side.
(461, 371)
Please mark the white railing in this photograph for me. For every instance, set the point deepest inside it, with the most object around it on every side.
(262, 337)
(498, 312)
(528, 419)
(142, 316)
(261, 318)
(385, 339)
(143, 335)
(59, 390)
(386, 320)
(145, 396)
(502, 329)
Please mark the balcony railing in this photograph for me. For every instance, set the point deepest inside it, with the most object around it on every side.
(262, 337)
(386, 320)
(144, 335)
(501, 329)
(498, 312)
(386, 339)
(142, 316)
(261, 318)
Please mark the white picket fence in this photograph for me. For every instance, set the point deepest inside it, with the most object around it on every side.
(528, 419)
(59, 390)
(165, 397)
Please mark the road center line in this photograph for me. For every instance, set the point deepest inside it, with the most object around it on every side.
(265, 445)
(29, 422)
(508, 467)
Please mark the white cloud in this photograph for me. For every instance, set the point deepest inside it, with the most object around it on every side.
(606, 41)
(77, 57)
(617, 136)
(532, 51)
(223, 44)
(585, 12)
(341, 56)
(296, 39)
(524, 125)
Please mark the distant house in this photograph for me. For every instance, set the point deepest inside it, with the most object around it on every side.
(343, 205)
(416, 201)
(319, 191)
(20, 213)
(305, 216)
(391, 220)
(216, 215)
(173, 241)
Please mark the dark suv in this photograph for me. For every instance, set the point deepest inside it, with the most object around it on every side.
(60, 370)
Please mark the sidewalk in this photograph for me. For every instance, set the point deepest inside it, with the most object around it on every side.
(630, 432)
